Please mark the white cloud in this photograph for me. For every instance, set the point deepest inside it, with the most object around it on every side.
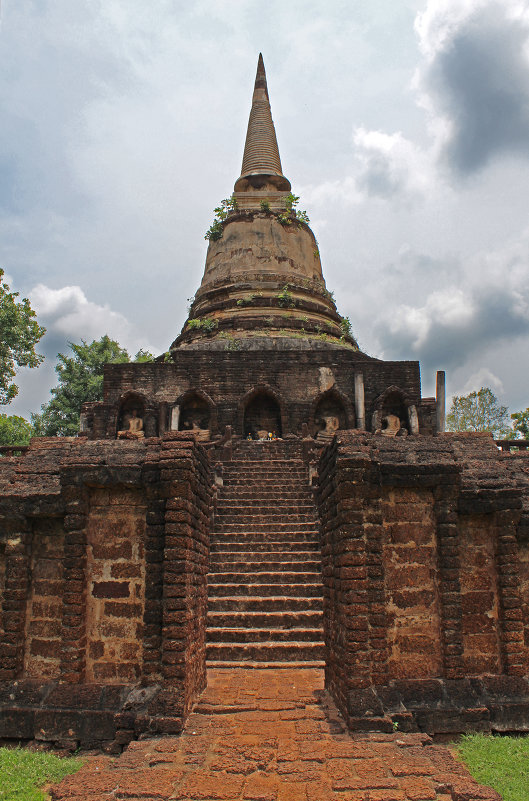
(477, 304)
(483, 378)
(68, 315)
(390, 164)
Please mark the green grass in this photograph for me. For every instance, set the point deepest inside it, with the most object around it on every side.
(500, 762)
(22, 773)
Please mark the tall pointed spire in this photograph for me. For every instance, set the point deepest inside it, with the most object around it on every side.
(261, 153)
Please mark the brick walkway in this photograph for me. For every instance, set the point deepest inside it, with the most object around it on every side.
(273, 735)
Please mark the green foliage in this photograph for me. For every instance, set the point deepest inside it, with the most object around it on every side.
(249, 299)
(80, 380)
(478, 411)
(216, 229)
(329, 296)
(520, 425)
(500, 762)
(15, 430)
(284, 219)
(265, 205)
(345, 325)
(22, 773)
(143, 356)
(19, 334)
(284, 298)
(291, 201)
(206, 324)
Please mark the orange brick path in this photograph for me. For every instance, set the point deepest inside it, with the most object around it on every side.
(273, 735)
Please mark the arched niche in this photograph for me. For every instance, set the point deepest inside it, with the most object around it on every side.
(130, 404)
(195, 412)
(261, 413)
(331, 414)
(393, 402)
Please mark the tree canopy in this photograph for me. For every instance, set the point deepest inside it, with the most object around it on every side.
(19, 334)
(478, 411)
(520, 424)
(80, 380)
(14, 430)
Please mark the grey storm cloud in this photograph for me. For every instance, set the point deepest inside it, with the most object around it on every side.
(493, 315)
(477, 78)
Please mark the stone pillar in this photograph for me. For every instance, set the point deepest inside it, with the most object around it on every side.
(413, 419)
(359, 401)
(440, 396)
(175, 418)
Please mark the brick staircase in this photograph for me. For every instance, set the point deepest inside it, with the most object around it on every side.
(264, 585)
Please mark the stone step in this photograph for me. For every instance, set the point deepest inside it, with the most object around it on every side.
(293, 620)
(256, 462)
(227, 558)
(232, 544)
(251, 541)
(231, 506)
(271, 603)
(265, 651)
(243, 479)
(269, 577)
(239, 495)
(302, 590)
(247, 565)
(302, 664)
(284, 529)
(249, 519)
(256, 635)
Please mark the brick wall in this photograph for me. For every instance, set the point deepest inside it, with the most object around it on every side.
(425, 583)
(228, 377)
(44, 606)
(109, 596)
(479, 595)
(411, 583)
(115, 585)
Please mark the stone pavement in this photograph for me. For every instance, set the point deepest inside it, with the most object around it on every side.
(274, 735)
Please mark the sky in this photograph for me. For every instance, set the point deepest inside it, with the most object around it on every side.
(403, 126)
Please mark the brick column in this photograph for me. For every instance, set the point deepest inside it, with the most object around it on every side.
(73, 654)
(185, 481)
(451, 611)
(346, 521)
(511, 617)
(15, 603)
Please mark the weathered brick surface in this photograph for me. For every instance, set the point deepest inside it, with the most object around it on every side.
(114, 642)
(105, 561)
(298, 380)
(424, 567)
(44, 606)
(264, 735)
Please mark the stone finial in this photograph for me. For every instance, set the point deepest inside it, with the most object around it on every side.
(261, 153)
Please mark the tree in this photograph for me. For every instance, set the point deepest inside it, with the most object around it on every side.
(14, 430)
(521, 424)
(478, 411)
(80, 380)
(19, 334)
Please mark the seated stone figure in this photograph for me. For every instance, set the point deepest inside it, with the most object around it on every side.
(135, 427)
(331, 425)
(393, 427)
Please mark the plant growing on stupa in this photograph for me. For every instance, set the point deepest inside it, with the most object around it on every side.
(216, 229)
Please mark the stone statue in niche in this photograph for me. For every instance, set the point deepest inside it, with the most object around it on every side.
(197, 425)
(134, 428)
(393, 427)
(331, 424)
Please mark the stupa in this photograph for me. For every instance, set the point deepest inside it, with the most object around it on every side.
(264, 494)
(264, 347)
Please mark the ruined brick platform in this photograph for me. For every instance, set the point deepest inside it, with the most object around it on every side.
(262, 735)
